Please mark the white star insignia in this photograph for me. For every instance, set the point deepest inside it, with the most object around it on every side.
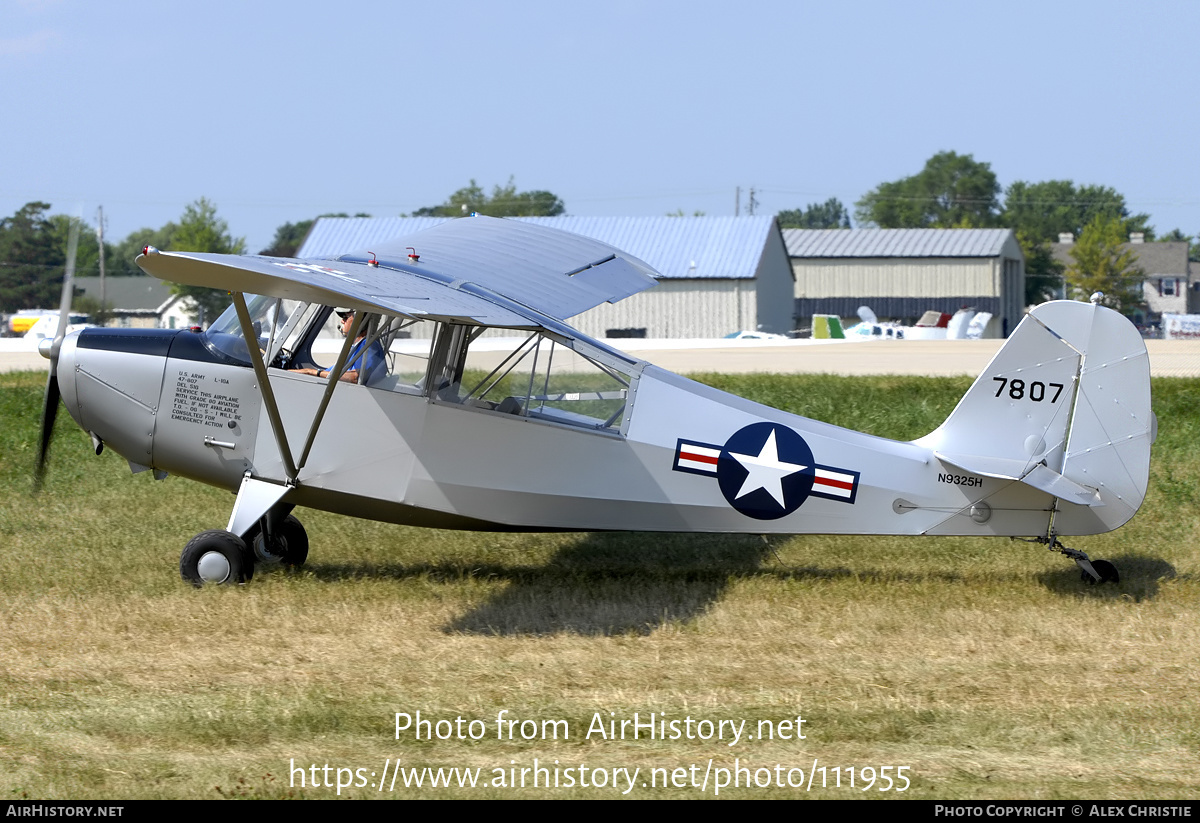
(766, 471)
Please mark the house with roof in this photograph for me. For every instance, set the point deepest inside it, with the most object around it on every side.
(138, 302)
(1169, 287)
(718, 275)
(902, 273)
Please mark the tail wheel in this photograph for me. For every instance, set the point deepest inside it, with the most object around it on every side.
(1107, 571)
(217, 557)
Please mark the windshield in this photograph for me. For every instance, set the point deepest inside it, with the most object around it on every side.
(270, 317)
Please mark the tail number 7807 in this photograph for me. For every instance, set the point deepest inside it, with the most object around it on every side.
(1020, 390)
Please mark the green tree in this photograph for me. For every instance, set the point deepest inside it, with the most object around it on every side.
(1043, 272)
(33, 255)
(120, 262)
(952, 191)
(87, 264)
(87, 253)
(1040, 212)
(1103, 263)
(828, 215)
(200, 229)
(505, 201)
(1045, 210)
(32, 262)
(288, 239)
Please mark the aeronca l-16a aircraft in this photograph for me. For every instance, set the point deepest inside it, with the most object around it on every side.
(417, 417)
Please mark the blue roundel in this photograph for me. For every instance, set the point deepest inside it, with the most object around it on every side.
(766, 471)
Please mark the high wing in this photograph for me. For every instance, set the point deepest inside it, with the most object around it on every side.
(480, 270)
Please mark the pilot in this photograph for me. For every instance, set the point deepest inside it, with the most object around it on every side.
(373, 356)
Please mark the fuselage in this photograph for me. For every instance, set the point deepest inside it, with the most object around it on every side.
(684, 456)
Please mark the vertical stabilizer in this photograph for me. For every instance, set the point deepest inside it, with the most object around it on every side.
(1064, 406)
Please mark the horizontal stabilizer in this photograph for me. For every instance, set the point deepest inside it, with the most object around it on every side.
(1039, 476)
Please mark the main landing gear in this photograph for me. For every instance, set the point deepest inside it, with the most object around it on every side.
(221, 557)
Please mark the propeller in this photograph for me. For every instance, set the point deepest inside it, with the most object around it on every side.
(50, 401)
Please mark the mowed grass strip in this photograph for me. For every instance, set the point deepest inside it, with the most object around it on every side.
(983, 665)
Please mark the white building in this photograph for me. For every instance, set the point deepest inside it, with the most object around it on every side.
(139, 302)
(902, 273)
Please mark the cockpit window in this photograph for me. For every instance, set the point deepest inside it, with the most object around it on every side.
(295, 335)
(535, 376)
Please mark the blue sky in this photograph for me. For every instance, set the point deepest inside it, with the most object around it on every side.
(278, 111)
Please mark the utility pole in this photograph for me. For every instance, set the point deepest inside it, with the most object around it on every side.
(750, 206)
(737, 202)
(100, 238)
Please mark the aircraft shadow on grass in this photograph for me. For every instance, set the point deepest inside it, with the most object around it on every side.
(583, 592)
(1141, 579)
(608, 584)
(603, 584)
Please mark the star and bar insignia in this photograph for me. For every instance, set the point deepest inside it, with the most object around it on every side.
(766, 471)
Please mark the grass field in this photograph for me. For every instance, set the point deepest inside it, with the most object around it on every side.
(983, 666)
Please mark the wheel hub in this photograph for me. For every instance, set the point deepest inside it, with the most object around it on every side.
(213, 567)
(269, 551)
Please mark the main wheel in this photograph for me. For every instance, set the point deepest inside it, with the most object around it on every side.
(289, 546)
(216, 556)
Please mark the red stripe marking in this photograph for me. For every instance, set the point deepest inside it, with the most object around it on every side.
(839, 484)
(698, 458)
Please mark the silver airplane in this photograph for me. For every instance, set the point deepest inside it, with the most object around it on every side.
(459, 398)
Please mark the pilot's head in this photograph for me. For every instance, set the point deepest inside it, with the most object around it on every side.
(347, 318)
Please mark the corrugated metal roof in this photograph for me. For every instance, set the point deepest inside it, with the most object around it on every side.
(331, 236)
(822, 243)
(675, 247)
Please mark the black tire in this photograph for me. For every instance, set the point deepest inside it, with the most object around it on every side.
(1107, 571)
(217, 557)
(289, 547)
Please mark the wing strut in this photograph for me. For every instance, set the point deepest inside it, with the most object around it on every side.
(335, 377)
(260, 372)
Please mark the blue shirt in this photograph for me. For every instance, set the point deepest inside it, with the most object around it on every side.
(375, 363)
